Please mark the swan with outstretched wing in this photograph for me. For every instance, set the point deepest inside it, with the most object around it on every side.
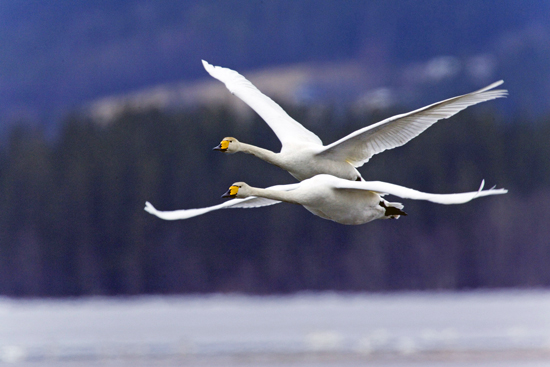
(329, 197)
(303, 154)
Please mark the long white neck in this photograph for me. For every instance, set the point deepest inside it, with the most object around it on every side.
(261, 153)
(286, 196)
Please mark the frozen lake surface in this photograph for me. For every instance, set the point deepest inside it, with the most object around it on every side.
(497, 328)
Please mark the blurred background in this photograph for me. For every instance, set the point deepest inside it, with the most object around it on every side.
(104, 105)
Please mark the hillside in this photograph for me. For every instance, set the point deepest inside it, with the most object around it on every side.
(57, 56)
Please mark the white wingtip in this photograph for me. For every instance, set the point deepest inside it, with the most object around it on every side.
(492, 191)
(491, 86)
(149, 208)
(480, 189)
(481, 186)
(490, 93)
(208, 67)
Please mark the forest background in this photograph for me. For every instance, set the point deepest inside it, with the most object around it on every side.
(72, 188)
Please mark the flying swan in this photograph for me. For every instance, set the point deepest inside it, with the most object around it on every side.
(329, 197)
(303, 154)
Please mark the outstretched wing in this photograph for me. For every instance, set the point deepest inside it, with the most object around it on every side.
(406, 193)
(359, 146)
(249, 202)
(288, 130)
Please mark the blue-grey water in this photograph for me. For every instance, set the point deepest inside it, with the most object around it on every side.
(496, 328)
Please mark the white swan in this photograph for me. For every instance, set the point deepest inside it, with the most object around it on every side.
(329, 197)
(303, 154)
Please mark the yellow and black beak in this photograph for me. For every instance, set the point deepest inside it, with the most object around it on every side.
(222, 147)
(232, 192)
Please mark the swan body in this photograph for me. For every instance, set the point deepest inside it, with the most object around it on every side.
(303, 154)
(329, 197)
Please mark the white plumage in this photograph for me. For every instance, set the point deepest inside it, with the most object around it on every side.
(336, 199)
(303, 154)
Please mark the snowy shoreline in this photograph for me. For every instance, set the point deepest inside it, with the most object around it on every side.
(302, 327)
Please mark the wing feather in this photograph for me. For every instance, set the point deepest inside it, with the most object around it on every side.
(249, 202)
(406, 193)
(288, 130)
(358, 147)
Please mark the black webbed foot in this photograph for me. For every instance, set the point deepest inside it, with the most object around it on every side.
(391, 210)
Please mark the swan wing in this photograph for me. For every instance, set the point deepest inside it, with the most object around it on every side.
(406, 193)
(249, 202)
(359, 146)
(288, 130)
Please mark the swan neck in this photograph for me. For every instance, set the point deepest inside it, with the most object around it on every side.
(286, 196)
(261, 153)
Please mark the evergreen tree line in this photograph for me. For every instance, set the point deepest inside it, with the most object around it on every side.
(72, 219)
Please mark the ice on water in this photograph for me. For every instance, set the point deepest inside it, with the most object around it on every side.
(400, 324)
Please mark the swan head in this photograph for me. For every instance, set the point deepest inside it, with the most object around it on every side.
(237, 190)
(228, 145)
